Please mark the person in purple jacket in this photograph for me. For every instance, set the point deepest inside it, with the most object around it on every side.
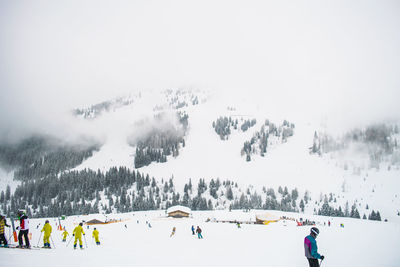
(311, 249)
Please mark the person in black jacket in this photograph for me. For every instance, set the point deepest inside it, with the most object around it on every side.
(3, 223)
(23, 229)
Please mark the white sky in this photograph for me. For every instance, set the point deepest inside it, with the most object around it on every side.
(337, 58)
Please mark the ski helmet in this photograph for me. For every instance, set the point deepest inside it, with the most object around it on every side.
(80, 224)
(315, 231)
(47, 221)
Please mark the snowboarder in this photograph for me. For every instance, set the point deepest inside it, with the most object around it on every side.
(198, 231)
(78, 231)
(47, 232)
(3, 223)
(311, 249)
(65, 234)
(193, 233)
(23, 229)
(96, 236)
(173, 231)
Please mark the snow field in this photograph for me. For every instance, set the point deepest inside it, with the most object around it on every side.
(359, 243)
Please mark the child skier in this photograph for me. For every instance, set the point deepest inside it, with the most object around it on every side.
(96, 236)
(311, 249)
(193, 233)
(47, 232)
(173, 231)
(78, 231)
(65, 234)
(23, 229)
(198, 231)
(3, 223)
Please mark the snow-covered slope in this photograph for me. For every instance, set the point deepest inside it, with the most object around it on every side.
(206, 156)
(223, 244)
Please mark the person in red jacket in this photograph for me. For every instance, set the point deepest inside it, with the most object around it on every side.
(23, 229)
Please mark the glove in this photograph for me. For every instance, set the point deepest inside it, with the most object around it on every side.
(17, 228)
(83, 234)
(322, 257)
(73, 234)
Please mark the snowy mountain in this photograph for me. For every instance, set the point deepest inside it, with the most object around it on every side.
(193, 136)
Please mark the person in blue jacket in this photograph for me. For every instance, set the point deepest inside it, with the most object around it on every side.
(311, 249)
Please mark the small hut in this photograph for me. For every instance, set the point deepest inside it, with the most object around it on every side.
(266, 218)
(178, 212)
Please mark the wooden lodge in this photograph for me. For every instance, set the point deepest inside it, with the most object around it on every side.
(178, 212)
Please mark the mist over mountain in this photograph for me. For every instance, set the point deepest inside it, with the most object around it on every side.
(211, 104)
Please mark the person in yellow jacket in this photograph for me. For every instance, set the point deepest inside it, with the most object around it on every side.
(78, 231)
(96, 236)
(47, 232)
(64, 235)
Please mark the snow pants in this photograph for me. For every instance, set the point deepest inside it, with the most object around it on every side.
(23, 233)
(96, 238)
(199, 235)
(46, 240)
(3, 239)
(76, 240)
(313, 262)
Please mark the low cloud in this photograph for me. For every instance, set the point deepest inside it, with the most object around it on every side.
(338, 62)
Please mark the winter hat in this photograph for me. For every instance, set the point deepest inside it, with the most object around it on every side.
(80, 224)
(47, 221)
(315, 230)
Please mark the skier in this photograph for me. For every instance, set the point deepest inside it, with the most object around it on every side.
(329, 223)
(65, 234)
(173, 231)
(198, 231)
(23, 229)
(311, 249)
(193, 233)
(47, 232)
(3, 223)
(78, 231)
(238, 225)
(96, 236)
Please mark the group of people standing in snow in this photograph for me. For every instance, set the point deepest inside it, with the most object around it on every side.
(198, 231)
(46, 230)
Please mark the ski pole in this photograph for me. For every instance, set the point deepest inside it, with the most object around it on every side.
(39, 239)
(84, 236)
(69, 241)
(320, 263)
(54, 246)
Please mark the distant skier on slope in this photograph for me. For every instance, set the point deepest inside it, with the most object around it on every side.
(193, 233)
(47, 232)
(311, 249)
(23, 229)
(64, 235)
(95, 234)
(173, 231)
(78, 231)
(3, 223)
(198, 231)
